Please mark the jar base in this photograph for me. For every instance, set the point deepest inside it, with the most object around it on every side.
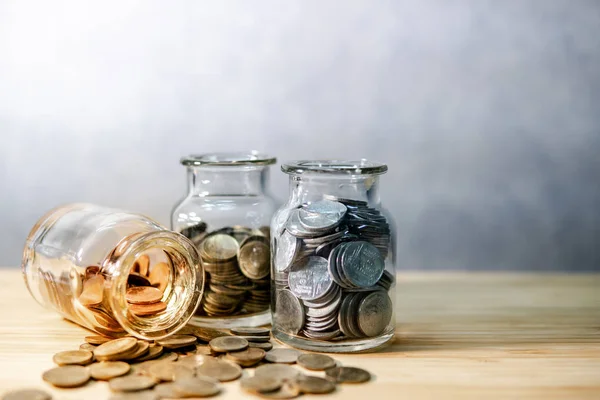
(251, 320)
(346, 346)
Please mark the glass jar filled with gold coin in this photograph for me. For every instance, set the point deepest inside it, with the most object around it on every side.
(226, 213)
(113, 272)
(333, 258)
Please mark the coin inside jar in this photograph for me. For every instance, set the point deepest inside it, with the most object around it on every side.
(254, 257)
(143, 295)
(289, 314)
(219, 247)
(147, 309)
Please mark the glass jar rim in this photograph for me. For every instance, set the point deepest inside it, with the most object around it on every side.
(228, 159)
(336, 167)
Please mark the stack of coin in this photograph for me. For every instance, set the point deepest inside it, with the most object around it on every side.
(237, 265)
(329, 271)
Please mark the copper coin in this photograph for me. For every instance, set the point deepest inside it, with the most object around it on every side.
(106, 370)
(144, 310)
(67, 377)
(348, 374)
(73, 357)
(316, 362)
(143, 295)
(246, 358)
(141, 265)
(93, 291)
(131, 383)
(154, 351)
(140, 350)
(177, 341)
(115, 347)
(224, 344)
(160, 275)
(96, 340)
(87, 347)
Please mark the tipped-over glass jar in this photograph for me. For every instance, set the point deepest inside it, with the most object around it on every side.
(333, 259)
(113, 272)
(226, 213)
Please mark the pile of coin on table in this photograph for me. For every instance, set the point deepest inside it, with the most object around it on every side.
(329, 273)
(237, 263)
(194, 364)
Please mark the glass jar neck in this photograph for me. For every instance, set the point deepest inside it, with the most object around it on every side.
(227, 180)
(306, 188)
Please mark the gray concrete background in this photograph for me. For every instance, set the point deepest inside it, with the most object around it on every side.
(487, 112)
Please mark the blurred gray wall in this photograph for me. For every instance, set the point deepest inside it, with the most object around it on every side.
(487, 112)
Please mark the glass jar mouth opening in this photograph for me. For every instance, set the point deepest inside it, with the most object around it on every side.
(334, 167)
(228, 159)
(182, 295)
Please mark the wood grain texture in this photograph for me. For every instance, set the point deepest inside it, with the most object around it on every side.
(459, 336)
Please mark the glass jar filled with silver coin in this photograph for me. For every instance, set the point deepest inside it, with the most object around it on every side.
(226, 213)
(113, 272)
(333, 255)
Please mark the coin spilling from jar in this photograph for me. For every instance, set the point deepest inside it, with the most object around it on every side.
(237, 264)
(146, 285)
(329, 271)
(195, 364)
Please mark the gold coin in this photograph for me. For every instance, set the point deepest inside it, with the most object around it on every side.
(73, 357)
(93, 291)
(201, 386)
(316, 362)
(144, 310)
(159, 276)
(315, 385)
(246, 358)
(177, 341)
(222, 370)
(283, 356)
(143, 295)
(348, 374)
(260, 384)
(67, 377)
(169, 371)
(168, 357)
(154, 351)
(205, 334)
(219, 247)
(228, 343)
(106, 370)
(255, 257)
(141, 265)
(87, 347)
(115, 347)
(288, 390)
(140, 350)
(27, 394)
(166, 390)
(131, 383)
(96, 340)
(278, 371)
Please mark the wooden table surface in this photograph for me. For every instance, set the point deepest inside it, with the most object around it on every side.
(458, 336)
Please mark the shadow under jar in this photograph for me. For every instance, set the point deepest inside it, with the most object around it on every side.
(113, 272)
(333, 259)
(226, 214)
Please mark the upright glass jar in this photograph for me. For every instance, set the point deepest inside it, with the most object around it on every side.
(333, 264)
(226, 213)
(113, 272)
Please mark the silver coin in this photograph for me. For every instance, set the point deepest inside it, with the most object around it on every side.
(362, 263)
(347, 284)
(294, 226)
(322, 215)
(325, 300)
(374, 313)
(332, 267)
(309, 278)
(328, 335)
(327, 310)
(289, 312)
(352, 317)
(342, 316)
(285, 253)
